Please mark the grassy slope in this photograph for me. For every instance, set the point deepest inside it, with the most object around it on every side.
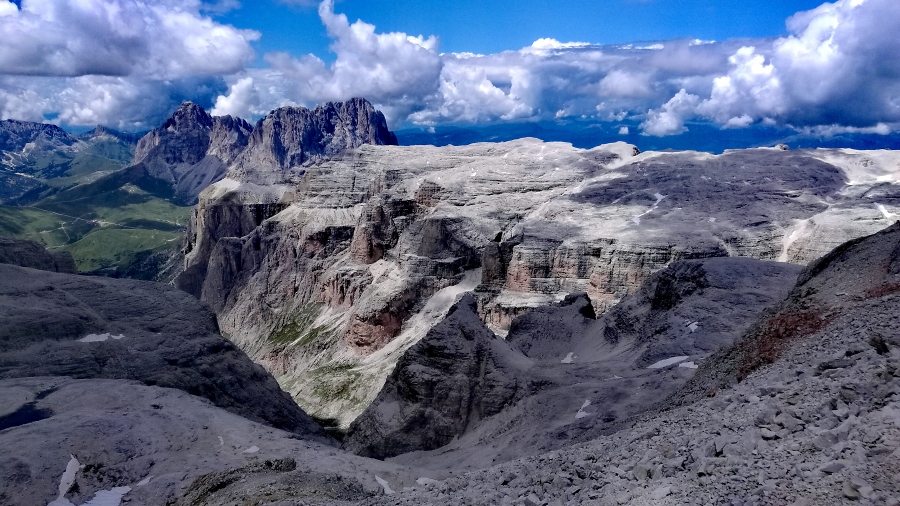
(108, 223)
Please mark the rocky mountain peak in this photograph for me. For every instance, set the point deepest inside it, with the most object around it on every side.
(289, 137)
(192, 148)
(189, 115)
(105, 132)
(15, 134)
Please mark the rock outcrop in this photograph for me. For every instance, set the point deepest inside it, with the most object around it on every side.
(192, 149)
(853, 275)
(561, 375)
(348, 251)
(458, 374)
(31, 254)
(813, 419)
(289, 138)
(86, 327)
(105, 441)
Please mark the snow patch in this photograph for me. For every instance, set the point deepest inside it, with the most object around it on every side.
(145, 481)
(667, 362)
(426, 481)
(99, 338)
(252, 449)
(581, 412)
(887, 214)
(221, 441)
(67, 479)
(108, 497)
(384, 484)
(688, 365)
(102, 498)
(569, 358)
(693, 326)
(659, 198)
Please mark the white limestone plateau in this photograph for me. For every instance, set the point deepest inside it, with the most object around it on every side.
(326, 273)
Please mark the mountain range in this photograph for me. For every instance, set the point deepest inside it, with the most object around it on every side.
(350, 321)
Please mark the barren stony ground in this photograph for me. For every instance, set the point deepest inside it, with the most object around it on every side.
(802, 409)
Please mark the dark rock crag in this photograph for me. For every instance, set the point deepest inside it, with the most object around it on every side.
(32, 254)
(90, 327)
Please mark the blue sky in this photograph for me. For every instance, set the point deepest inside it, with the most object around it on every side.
(642, 67)
(491, 27)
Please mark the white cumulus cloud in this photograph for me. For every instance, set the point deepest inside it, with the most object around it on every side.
(159, 39)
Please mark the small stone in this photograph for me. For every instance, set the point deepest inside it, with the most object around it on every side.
(767, 434)
(850, 491)
(532, 500)
(660, 493)
(832, 467)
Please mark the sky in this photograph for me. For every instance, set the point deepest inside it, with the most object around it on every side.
(656, 66)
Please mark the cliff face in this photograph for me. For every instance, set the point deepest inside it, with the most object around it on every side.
(289, 138)
(330, 273)
(192, 149)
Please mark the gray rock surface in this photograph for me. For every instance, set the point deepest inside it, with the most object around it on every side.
(538, 221)
(88, 327)
(289, 138)
(818, 422)
(582, 378)
(32, 254)
(192, 149)
(152, 445)
(458, 374)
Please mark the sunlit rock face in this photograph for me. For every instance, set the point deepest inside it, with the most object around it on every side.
(327, 271)
(192, 149)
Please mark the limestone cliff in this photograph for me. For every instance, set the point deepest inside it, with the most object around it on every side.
(327, 270)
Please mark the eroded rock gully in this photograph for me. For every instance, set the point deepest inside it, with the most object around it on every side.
(327, 271)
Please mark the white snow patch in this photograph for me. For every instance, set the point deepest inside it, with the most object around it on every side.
(887, 214)
(98, 338)
(66, 481)
(252, 449)
(569, 358)
(384, 484)
(659, 198)
(108, 497)
(581, 412)
(800, 230)
(616, 377)
(426, 481)
(693, 326)
(667, 362)
(712, 220)
(145, 481)
(688, 365)
(221, 441)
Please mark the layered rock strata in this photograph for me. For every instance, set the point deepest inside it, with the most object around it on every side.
(329, 282)
(561, 375)
(813, 420)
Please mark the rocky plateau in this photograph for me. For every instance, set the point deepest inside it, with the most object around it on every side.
(328, 273)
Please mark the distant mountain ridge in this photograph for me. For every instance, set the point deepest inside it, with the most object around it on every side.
(15, 135)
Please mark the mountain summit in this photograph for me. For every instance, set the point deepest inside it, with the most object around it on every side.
(290, 137)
